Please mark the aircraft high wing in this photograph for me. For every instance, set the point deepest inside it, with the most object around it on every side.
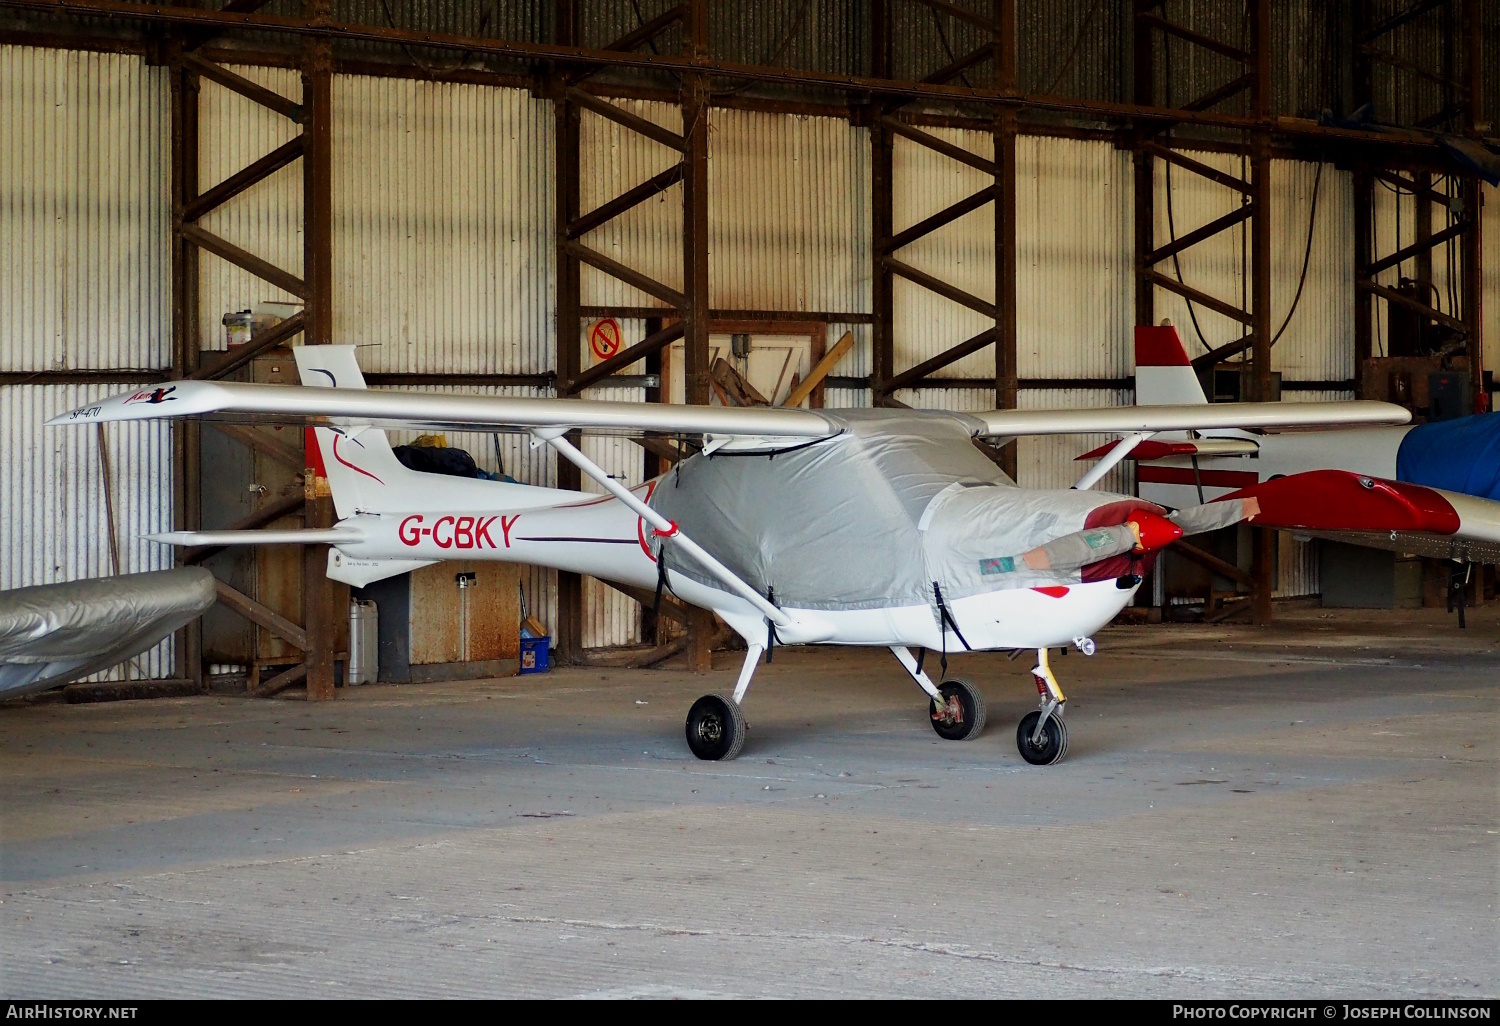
(854, 527)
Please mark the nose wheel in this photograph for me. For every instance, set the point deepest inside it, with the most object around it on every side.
(1042, 736)
(1044, 747)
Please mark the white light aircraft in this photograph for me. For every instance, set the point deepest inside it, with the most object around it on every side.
(853, 527)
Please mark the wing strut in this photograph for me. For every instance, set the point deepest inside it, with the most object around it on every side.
(1124, 447)
(664, 528)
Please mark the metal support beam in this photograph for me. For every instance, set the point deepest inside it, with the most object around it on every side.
(612, 209)
(241, 180)
(264, 269)
(882, 210)
(1004, 131)
(652, 343)
(569, 355)
(187, 644)
(1473, 240)
(947, 215)
(325, 602)
(1263, 566)
(695, 308)
(915, 375)
(1198, 235)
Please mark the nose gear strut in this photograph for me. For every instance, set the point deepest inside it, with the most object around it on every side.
(1042, 736)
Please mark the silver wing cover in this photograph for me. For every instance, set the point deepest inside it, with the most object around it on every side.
(54, 633)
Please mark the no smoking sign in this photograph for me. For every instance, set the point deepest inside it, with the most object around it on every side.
(604, 338)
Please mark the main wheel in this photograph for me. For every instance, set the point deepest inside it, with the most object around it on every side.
(1053, 744)
(715, 728)
(962, 715)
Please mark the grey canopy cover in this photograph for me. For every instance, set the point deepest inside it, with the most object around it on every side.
(869, 518)
(54, 633)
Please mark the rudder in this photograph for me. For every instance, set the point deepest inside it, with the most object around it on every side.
(1163, 373)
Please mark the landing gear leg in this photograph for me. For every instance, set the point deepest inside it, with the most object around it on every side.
(1042, 736)
(716, 727)
(956, 708)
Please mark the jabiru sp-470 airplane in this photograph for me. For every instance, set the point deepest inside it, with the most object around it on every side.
(1433, 489)
(852, 527)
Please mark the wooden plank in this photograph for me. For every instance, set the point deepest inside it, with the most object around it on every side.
(633, 40)
(651, 343)
(1198, 235)
(1197, 167)
(280, 682)
(262, 443)
(1420, 246)
(1234, 53)
(660, 447)
(946, 216)
(961, 13)
(670, 607)
(244, 605)
(1392, 296)
(736, 385)
(798, 395)
(1211, 562)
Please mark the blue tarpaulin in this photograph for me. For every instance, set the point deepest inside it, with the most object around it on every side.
(1461, 455)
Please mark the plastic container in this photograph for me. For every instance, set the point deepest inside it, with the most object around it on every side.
(536, 655)
(364, 642)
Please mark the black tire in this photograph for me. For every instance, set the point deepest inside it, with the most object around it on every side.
(969, 721)
(1054, 745)
(715, 728)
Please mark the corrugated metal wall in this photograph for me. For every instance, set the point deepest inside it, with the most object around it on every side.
(1073, 243)
(1318, 341)
(84, 271)
(265, 219)
(1395, 227)
(84, 265)
(442, 252)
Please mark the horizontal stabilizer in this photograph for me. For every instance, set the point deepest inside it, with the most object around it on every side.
(303, 536)
(1153, 449)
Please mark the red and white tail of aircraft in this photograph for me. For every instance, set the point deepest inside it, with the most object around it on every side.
(1429, 489)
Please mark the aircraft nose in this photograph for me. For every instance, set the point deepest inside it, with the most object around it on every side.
(1152, 531)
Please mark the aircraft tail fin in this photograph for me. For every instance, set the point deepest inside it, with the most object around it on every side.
(362, 471)
(1164, 375)
(365, 475)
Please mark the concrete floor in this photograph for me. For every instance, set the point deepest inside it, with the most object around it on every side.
(1309, 810)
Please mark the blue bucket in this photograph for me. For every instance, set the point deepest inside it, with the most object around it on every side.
(536, 655)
